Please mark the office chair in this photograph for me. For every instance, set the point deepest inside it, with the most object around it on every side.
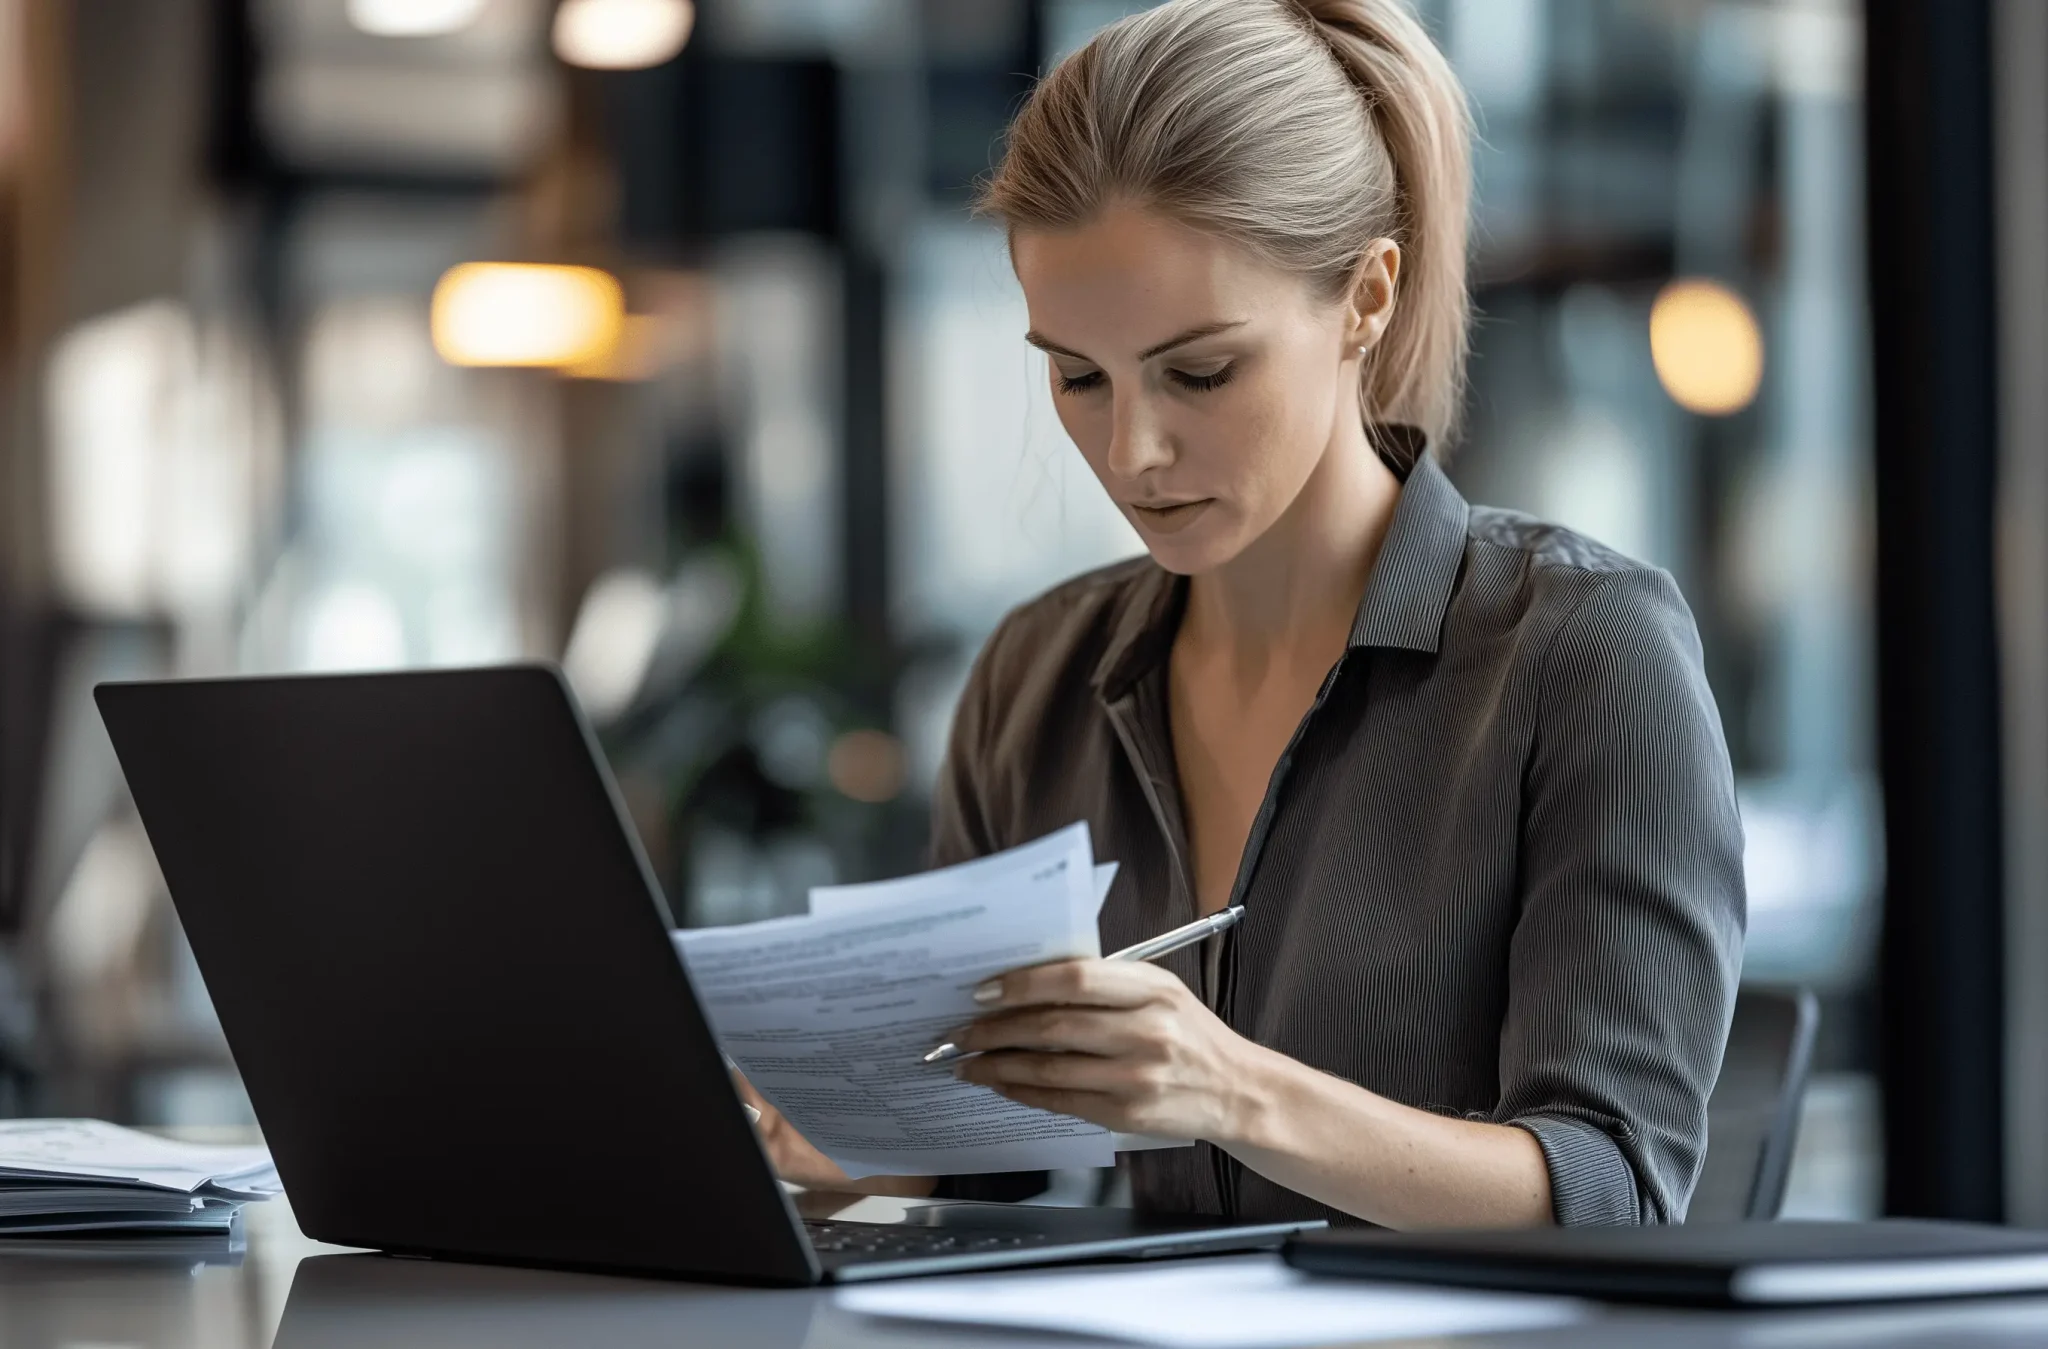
(1753, 1115)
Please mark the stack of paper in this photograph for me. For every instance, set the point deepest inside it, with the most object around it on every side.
(84, 1175)
(829, 1013)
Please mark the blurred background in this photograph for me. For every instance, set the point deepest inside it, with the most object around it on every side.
(654, 339)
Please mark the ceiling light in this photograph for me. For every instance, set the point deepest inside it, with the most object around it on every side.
(413, 18)
(526, 314)
(1707, 347)
(621, 34)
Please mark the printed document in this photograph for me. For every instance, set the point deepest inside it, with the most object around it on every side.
(1050, 855)
(85, 1175)
(93, 1151)
(1210, 1304)
(829, 1013)
(847, 898)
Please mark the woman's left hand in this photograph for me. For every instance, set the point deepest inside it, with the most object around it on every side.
(1122, 1044)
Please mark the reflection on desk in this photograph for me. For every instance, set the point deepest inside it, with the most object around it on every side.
(297, 1294)
(357, 1301)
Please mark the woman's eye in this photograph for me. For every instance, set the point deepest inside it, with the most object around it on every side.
(1081, 383)
(1214, 379)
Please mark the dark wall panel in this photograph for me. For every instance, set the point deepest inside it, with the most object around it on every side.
(1933, 311)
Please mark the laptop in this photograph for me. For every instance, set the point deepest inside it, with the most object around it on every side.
(1710, 1264)
(444, 970)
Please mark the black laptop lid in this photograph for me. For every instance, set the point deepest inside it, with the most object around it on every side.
(444, 971)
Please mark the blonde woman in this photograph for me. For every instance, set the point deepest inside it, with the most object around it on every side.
(1461, 767)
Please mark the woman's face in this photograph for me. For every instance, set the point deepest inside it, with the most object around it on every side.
(1201, 385)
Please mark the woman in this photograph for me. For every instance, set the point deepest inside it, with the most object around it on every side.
(1461, 767)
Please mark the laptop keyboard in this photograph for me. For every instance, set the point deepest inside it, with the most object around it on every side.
(889, 1240)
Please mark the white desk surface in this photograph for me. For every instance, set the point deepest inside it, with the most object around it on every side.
(371, 1302)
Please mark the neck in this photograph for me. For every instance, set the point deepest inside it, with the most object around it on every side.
(1300, 583)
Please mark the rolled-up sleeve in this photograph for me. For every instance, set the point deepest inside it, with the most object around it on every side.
(1627, 949)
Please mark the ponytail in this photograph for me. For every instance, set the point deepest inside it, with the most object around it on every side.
(1415, 103)
(1303, 130)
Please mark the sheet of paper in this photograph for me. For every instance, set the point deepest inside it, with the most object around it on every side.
(1060, 865)
(1244, 1303)
(98, 1150)
(829, 1014)
(263, 1184)
(846, 898)
(849, 898)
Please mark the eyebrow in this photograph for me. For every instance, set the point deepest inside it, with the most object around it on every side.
(1043, 343)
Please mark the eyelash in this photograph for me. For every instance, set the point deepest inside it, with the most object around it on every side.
(1203, 383)
(1192, 383)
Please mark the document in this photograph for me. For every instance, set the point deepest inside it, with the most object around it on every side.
(847, 898)
(1043, 863)
(829, 1013)
(854, 898)
(85, 1175)
(1239, 1303)
(90, 1150)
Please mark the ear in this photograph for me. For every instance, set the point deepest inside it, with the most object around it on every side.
(1370, 305)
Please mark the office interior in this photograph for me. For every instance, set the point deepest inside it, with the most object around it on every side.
(656, 339)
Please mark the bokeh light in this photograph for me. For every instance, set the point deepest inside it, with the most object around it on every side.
(622, 34)
(413, 18)
(1707, 347)
(618, 626)
(526, 314)
(867, 766)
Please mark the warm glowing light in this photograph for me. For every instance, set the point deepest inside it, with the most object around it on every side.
(413, 18)
(1707, 348)
(526, 314)
(622, 34)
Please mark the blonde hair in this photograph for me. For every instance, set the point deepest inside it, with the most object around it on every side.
(1302, 130)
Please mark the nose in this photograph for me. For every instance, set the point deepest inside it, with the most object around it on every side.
(1137, 441)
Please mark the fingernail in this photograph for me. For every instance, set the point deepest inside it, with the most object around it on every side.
(989, 992)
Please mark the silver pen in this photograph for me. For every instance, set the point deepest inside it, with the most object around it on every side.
(1151, 949)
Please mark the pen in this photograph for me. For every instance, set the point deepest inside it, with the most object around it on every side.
(1164, 944)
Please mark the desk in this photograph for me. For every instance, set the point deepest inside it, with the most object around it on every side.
(291, 1293)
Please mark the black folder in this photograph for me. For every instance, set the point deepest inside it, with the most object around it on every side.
(1755, 1264)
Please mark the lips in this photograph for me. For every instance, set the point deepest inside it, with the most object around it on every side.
(1171, 519)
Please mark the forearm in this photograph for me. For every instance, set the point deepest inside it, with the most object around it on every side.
(1379, 1160)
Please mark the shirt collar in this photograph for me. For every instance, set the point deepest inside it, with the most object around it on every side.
(1417, 568)
(1404, 605)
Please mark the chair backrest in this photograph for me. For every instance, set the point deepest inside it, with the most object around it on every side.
(1753, 1115)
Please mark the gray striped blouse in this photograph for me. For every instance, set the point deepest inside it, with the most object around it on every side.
(1497, 874)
